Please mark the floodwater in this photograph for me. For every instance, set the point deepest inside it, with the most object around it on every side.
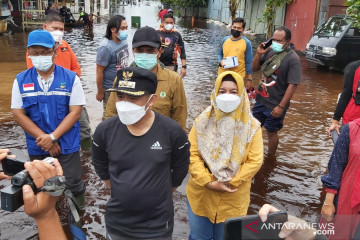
(291, 182)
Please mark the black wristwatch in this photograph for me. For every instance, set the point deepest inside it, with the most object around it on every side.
(184, 66)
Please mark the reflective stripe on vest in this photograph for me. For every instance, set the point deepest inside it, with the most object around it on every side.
(33, 94)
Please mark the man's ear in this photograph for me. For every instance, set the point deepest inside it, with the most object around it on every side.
(153, 100)
(55, 52)
(44, 26)
(161, 50)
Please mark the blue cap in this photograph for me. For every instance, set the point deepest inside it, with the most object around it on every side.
(41, 38)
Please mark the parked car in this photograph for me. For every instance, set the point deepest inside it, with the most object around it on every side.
(335, 44)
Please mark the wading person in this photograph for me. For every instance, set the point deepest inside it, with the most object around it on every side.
(348, 107)
(85, 17)
(172, 43)
(112, 55)
(281, 73)
(236, 45)
(65, 58)
(143, 156)
(343, 183)
(46, 102)
(226, 150)
(170, 89)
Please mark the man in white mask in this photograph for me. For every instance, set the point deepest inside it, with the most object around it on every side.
(46, 102)
(65, 58)
(143, 156)
(173, 45)
(170, 90)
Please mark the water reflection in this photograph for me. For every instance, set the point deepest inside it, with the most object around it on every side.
(291, 182)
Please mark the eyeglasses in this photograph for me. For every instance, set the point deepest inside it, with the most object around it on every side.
(42, 53)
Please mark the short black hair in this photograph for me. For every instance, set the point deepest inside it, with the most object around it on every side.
(286, 30)
(53, 17)
(80, 8)
(229, 77)
(239, 20)
(114, 22)
(168, 15)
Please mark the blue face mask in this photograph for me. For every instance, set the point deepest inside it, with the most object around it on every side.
(145, 60)
(277, 47)
(123, 35)
(42, 63)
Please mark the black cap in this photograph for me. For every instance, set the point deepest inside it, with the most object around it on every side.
(135, 81)
(146, 36)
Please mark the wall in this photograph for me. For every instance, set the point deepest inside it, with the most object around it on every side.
(219, 10)
(254, 12)
(250, 10)
(300, 16)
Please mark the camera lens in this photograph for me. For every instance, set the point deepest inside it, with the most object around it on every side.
(17, 181)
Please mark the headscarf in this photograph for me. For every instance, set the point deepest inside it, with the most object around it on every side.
(222, 137)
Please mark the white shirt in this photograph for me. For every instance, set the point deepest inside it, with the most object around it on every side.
(77, 96)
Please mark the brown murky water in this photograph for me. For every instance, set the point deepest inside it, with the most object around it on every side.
(292, 182)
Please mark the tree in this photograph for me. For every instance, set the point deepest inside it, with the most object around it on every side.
(234, 5)
(354, 10)
(269, 13)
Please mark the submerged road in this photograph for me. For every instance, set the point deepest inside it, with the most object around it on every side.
(291, 182)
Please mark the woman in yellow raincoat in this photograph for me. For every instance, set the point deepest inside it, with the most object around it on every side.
(226, 152)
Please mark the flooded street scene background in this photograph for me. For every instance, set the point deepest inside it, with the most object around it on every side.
(291, 182)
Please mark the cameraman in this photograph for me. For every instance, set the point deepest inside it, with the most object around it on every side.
(41, 206)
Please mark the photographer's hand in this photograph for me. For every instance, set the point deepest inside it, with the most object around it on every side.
(42, 206)
(293, 229)
(3, 154)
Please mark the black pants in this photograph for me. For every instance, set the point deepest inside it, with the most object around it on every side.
(72, 168)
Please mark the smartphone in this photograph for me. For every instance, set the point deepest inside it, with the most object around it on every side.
(12, 166)
(251, 227)
(268, 43)
(334, 135)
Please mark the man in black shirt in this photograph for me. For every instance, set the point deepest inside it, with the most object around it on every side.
(278, 84)
(143, 156)
(172, 43)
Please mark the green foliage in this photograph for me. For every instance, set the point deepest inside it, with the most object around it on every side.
(354, 10)
(269, 13)
(234, 5)
(185, 3)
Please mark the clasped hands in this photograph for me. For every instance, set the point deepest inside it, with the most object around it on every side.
(45, 143)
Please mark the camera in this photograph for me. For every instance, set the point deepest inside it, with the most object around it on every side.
(11, 196)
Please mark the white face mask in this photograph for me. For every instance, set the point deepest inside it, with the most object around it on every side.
(57, 35)
(130, 113)
(168, 27)
(42, 63)
(227, 102)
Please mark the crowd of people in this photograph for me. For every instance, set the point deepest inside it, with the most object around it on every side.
(141, 149)
(85, 19)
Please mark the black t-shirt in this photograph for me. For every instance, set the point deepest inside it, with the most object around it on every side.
(288, 72)
(172, 43)
(142, 171)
